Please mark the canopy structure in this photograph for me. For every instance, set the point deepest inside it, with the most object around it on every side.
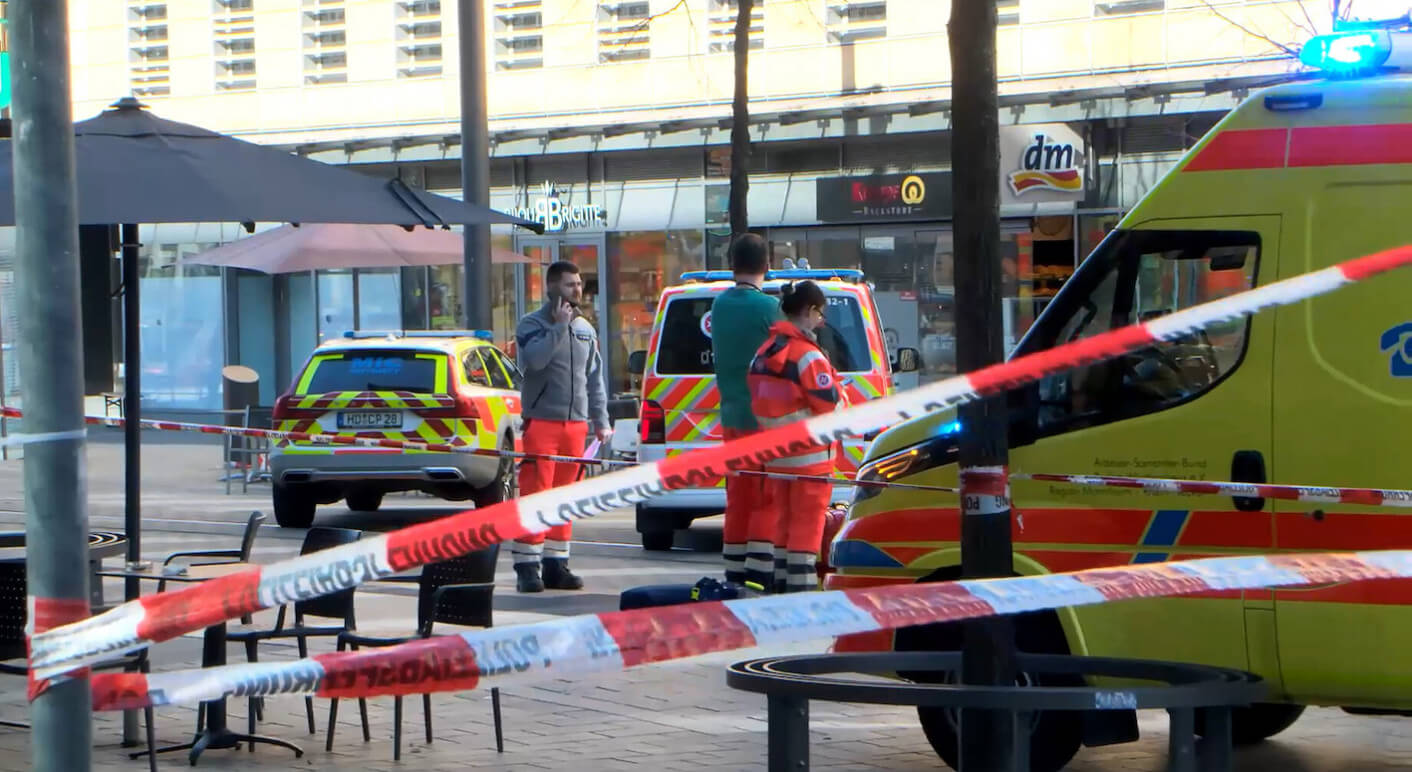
(320, 246)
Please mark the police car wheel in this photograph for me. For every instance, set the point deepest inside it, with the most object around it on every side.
(364, 500)
(658, 541)
(294, 507)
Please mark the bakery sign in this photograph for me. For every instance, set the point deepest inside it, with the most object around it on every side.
(921, 195)
(1041, 162)
(555, 214)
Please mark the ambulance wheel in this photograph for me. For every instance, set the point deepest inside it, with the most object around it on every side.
(1055, 736)
(658, 541)
(364, 500)
(294, 507)
(1251, 724)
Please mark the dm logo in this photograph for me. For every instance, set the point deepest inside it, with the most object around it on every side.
(1047, 165)
(1397, 343)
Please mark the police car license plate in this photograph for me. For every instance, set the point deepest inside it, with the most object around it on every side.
(370, 419)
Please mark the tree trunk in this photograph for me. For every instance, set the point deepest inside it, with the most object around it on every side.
(740, 122)
(988, 738)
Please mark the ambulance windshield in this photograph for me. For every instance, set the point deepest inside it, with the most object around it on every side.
(684, 347)
(1136, 276)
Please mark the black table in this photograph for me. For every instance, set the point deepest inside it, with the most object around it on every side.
(216, 735)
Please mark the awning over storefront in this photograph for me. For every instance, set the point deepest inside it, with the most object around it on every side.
(314, 247)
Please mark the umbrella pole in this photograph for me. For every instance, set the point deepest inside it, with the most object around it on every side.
(132, 404)
(50, 354)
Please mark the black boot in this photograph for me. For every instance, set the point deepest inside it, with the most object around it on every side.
(528, 580)
(557, 575)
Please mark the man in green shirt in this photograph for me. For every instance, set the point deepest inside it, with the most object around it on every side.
(740, 323)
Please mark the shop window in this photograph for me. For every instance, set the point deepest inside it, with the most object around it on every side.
(1137, 277)
(641, 264)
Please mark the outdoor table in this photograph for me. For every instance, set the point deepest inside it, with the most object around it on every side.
(217, 733)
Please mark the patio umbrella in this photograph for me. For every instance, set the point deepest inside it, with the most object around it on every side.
(291, 249)
(134, 167)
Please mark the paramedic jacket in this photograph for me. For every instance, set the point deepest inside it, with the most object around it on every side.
(791, 380)
(563, 372)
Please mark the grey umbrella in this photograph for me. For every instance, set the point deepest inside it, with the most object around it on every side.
(134, 167)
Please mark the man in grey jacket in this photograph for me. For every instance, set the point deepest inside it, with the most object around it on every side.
(562, 393)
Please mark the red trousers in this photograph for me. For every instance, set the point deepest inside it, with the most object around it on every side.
(561, 438)
(745, 496)
(785, 535)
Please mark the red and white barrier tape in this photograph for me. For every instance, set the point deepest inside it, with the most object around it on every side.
(317, 439)
(165, 615)
(1373, 497)
(583, 645)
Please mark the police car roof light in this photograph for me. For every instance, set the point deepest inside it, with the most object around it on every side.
(798, 274)
(365, 334)
(1358, 52)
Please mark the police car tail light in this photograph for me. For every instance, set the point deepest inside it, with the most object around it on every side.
(1358, 52)
(285, 410)
(652, 423)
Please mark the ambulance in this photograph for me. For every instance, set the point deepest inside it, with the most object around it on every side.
(680, 409)
(1297, 178)
(451, 387)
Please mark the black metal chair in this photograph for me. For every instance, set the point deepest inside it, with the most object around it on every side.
(458, 591)
(14, 616)
(208, 557)
(338, 605)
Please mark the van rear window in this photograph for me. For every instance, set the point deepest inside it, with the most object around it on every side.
(374, 371)
(684, 349)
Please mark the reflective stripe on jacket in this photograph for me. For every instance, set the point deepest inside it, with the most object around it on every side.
(790, 380)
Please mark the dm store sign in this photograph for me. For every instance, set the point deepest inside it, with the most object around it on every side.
(1041, 163)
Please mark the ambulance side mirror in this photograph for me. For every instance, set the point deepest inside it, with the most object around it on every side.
(637, 362)
(908, 360)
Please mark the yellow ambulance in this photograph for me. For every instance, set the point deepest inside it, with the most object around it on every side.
(1297, 178)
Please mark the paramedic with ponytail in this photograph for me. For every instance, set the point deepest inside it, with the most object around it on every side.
(790, 380)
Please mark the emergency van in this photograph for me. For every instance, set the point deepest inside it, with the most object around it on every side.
(446, 387)
(680, 408)
(1297, 178)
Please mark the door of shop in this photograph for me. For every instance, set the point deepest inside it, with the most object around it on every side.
(586, 252)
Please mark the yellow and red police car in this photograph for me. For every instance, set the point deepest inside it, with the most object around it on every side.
(448, 387)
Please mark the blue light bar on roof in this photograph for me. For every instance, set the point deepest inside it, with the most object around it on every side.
(365, 334)
(797, 274)
(1358, 52)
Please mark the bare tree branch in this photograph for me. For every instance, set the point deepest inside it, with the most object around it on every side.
(1304, 9)
(642, 24)
(1257, 35)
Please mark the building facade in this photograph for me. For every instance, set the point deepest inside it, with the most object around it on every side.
(609, 122)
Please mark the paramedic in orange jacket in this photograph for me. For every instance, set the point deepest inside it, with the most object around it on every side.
(791, 379)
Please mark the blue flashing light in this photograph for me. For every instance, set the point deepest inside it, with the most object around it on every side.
(951, 428)
(795, 274)
(1347, 53)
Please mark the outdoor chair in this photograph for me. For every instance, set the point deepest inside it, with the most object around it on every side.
(14, 616)
(208, 557)
(338, 605)
(458, 591)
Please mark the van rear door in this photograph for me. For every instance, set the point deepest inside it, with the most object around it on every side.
(681, 375)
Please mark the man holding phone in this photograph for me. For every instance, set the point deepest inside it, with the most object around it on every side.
(563, 391)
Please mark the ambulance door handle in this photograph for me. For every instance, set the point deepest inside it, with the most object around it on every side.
(1248, 466)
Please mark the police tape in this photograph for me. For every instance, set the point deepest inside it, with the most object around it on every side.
(585, 645)
(310, 437)
(163, 616)
(1373, 497)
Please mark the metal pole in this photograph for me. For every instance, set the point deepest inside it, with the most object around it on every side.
(51, 357)
(988, 738)
(475, 166)
(132, 404)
